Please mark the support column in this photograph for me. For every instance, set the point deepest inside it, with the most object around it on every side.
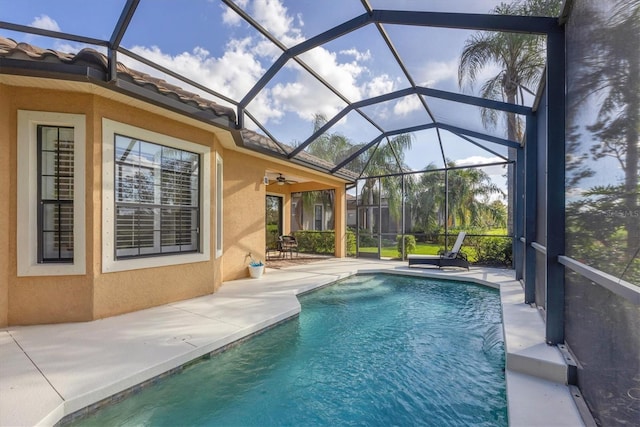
(555, 186)
(518, 213)
(340, 221)
(530, 207)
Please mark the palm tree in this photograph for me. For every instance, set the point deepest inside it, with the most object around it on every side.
(425, 197)
(521, 59)
(328, 146)
(384, 160)
(470, 192)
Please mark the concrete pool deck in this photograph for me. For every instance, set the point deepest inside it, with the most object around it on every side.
(48, 372)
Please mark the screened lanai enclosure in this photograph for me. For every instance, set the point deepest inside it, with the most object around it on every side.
(515, 122)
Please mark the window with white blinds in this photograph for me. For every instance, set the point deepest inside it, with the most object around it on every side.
(55, 193)
(50, 200)
(157, 197)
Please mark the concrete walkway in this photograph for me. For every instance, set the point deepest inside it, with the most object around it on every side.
(50, 371)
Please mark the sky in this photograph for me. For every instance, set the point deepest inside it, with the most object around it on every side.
(209, 43)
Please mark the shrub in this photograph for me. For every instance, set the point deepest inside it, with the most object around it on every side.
(323, 242)
(351, 243)
(409, 244)
(493, 250)
(317, 242)
(366, 239)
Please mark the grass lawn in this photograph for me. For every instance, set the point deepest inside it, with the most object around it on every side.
(392, 252)
(433, 248)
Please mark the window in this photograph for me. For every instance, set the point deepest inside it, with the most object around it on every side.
(318, 217)
(155, 199)
(55, 194)
(51, 206)
(219, 187)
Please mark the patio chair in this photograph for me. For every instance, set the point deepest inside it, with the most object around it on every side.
(452, 258)
(287, 244)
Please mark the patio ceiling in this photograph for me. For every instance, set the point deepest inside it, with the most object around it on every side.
(355, 71)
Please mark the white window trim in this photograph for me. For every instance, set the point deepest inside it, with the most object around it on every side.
(27, 209)
(109, 263)
(219, 201)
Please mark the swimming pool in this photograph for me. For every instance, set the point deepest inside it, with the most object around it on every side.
(371, 350)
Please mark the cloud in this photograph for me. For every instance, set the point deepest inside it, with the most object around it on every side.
(293, 90)
(358, 56)
(478, 160)
(263, 110)
(44, 22)
(407, 105)
(233, 74)
(230, 17)
(304, 98)
(341, 75)
(435, 72)
(379, 85)
(274, 17)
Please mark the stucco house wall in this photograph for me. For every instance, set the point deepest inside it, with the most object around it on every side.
(95, 293)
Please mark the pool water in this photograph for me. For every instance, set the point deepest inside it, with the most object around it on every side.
(371, 350)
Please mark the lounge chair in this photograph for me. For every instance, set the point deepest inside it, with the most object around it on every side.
(452, 258)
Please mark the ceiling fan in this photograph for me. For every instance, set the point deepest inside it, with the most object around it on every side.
(281, 180)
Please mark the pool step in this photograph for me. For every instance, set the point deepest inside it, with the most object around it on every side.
(525, 346)
(548, 403)
(535, 369)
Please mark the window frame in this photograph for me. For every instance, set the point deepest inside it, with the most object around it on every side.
(158, 193)
(110, 263)
(219, 202)
(58, 202)
(28, 194)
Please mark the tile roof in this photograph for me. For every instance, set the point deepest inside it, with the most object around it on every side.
(92, 58)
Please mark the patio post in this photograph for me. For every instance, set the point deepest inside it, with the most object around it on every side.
(530, 207)
(518, 217)
(340, 221)
(555, 191)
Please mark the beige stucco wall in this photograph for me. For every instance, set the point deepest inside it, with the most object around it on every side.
(5, 189)
(244, 212)
(33, 300)
(46, 299)
(119, 292)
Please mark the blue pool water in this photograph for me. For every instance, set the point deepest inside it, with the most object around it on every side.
(371, 350)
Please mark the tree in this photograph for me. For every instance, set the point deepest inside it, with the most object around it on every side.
(614, 62)
(603, 221)
(385, 159)
(470, 191)
(425, 196)
(521, 60)
(328, 146)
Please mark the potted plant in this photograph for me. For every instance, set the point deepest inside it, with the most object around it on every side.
(256, 268)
